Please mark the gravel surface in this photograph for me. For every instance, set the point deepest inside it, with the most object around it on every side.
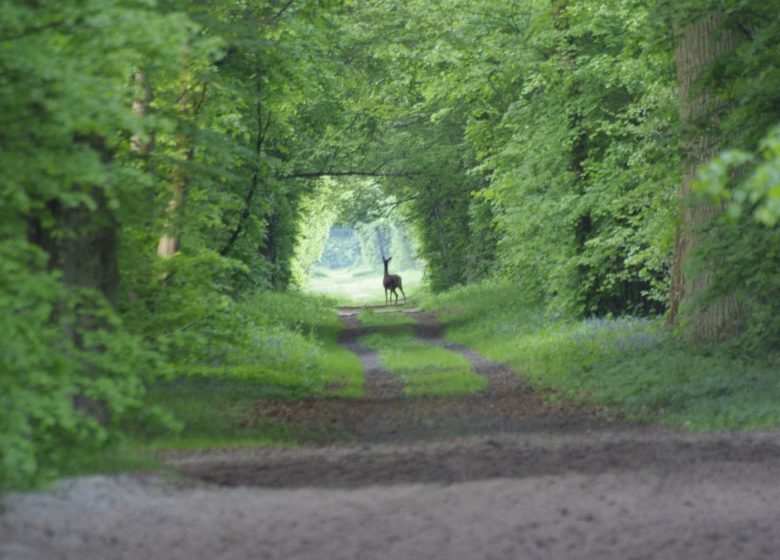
(500, 475)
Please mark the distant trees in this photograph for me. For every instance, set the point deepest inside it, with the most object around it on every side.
(558, 144)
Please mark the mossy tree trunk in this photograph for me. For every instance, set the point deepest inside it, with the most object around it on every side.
(702, 42)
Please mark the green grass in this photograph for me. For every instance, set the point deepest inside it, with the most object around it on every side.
(290, 351)
(360, 286)
(213, 412)
(632, 365)
(424, 369)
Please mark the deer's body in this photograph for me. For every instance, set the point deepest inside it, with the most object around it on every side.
(392, 282)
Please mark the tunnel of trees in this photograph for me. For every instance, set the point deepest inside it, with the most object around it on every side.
(162, 160)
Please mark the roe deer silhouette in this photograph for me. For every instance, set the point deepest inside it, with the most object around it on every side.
(391, 282)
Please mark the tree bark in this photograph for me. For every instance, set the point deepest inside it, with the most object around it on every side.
(170, 241)
(702, 42)
(168, 245)
(141, 106)
(83, 242)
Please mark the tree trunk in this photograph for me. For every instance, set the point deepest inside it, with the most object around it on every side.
(83, 242)
(169, 242)
(702, 42)
(90, 258)
(141, 108)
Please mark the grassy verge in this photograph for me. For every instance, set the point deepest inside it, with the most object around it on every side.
(424, 369)
(633, 365)
(271, 346)
(292, 352)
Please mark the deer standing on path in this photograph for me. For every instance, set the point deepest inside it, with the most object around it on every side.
(391, 282)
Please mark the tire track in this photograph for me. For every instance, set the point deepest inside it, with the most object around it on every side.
(501, 380)
(378, 383)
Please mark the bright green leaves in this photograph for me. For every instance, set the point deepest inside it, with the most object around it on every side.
(757, 188)
(544, 141)
(60, 395)
(133, 118)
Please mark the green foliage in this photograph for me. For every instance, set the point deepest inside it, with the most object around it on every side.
(71, 372)
(70, 375)
(319, 210)
(585, 180)
(756, 189)
(126, 121)
(549, 152)
(165, 164)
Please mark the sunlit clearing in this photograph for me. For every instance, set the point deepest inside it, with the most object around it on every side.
(359, 286)
(350, 269)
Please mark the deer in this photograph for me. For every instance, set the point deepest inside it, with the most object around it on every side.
(391, 282)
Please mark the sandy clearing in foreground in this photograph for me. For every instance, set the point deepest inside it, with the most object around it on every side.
(713, 509)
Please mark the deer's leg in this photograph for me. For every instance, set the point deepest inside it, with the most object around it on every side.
(402, 291)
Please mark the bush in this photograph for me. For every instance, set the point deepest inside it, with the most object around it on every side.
(71, 374)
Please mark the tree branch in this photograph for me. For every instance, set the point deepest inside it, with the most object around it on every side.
(262, 131)
(349, 173)
(281, 11)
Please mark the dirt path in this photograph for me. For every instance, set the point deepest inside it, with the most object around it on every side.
(385, 415)
(495, 475)
(378, 383)
(501, 380)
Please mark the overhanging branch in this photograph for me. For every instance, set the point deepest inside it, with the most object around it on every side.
(350, 173)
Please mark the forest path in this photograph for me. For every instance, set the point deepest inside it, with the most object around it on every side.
(494, 475)
(406, 428)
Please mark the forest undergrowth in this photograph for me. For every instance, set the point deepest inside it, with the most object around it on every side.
(635, 366)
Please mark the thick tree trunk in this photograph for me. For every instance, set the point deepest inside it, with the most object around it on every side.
(90, 258)
(83, 241)
(702, 42)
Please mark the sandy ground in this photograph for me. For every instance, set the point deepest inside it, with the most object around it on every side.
(412, 482)
(693, 506)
